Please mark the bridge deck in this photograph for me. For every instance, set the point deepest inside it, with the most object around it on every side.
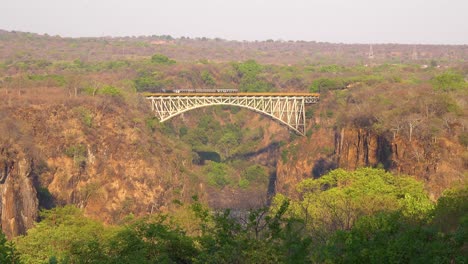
(234, 94)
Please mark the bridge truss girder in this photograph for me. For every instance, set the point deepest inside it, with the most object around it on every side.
(288, 110)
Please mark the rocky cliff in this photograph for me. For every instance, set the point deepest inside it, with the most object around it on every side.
(438, 163)
(18, 197)
(99, 155)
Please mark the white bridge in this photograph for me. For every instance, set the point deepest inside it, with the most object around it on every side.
(287, 108)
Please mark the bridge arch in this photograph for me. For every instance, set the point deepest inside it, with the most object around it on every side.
(288, 109)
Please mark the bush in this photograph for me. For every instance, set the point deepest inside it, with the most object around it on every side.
(217, 174)
(331, 68)
(86, 115)
(110, 91)
(161, 59)
(8, 253)
(255, 173)
(463, 138)
(244, 183)
(76, 151)
(449, 81)
(325, 84)
(207, 78)
(250, 81)
(147, 82)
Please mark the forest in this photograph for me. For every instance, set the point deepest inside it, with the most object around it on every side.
(367, 215)
(89, 175)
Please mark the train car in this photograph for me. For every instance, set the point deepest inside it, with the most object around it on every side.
(202, 91)
(227, 90)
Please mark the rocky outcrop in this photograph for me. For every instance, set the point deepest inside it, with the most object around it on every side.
(439, 162)
(358, 147)
(18, 197)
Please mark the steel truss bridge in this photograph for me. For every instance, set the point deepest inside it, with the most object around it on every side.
(287, 108)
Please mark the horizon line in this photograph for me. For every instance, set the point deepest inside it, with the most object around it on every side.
(176, 37)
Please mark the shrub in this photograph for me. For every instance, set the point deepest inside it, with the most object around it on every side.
(79, 153)
(149, 82)
(217, 174)
(244, 183)
(207, 78)
(110, 91)
(463, 138)
(325, 84)
(449, 81)
(331, 68)
(161, 59)
(256, 173)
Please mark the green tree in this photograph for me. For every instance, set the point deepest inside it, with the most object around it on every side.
(207, 78)
(217, 174)
(390, 238)
(110, 90)
(249, 74)
(60, 230)
(151, 240)
(149, 82)
(263, 237)
(338, 199)
(452, 209)
(161, 59)
(325, 84)
(8, 252)
(449, 81)
(227, 143)
(256, 173)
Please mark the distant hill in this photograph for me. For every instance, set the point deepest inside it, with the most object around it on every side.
(26, 46)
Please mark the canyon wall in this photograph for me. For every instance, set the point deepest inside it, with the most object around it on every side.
(439, 163)
(18, 197)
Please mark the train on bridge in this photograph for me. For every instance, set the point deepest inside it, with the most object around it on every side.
(218, 90)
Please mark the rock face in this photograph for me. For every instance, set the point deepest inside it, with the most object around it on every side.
(18, 197)
(438, 162)
(356, 148)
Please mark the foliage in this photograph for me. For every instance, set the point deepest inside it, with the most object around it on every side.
(78, 152)
(207, 78)
(390, 238)
(325, 84)
(331, 68)
(86, 116)
(8, 252)
(263, 238)
(284, 155)
(463, 138)
(338, 199)
(161, 59)
(452, 209)
(255, 173)
(49, 79)
(264, 235)
(449, 81)
(217, 174)
(149, 82)
(249, 74)
(110, 90)
(393, 237)
(151, 240)
(60, 230)
(151, 123)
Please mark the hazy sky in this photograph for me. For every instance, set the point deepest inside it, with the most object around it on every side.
(348, 21)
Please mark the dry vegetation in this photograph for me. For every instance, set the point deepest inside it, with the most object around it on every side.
(73, 106)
